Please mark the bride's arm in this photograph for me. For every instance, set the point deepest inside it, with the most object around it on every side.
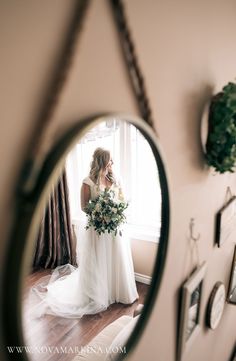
(84, 196)
(121, 194)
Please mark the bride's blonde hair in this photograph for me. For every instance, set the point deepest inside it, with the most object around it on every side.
(101, 158)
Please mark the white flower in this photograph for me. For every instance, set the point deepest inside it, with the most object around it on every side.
(97, 207)
(105, 213)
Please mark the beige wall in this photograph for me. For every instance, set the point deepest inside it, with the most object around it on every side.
(187, 52)
(144, 255)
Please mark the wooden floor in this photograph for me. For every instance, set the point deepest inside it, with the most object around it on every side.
(50, 331)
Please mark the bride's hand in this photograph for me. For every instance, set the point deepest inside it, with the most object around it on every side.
(85, 196)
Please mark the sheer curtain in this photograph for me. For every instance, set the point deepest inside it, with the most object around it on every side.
(144, 188)
(134, 165)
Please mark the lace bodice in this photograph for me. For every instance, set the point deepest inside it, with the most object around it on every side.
(95, 189)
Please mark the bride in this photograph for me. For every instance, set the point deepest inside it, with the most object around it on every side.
(105, 274)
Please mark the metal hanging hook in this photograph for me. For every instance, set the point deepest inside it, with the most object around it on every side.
(191, 227)
(228, 195)
(229, 192)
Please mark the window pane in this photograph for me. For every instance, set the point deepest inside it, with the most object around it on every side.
(145, 188)
(134, 166)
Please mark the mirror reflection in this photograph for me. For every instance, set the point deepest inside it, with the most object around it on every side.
(95, 248)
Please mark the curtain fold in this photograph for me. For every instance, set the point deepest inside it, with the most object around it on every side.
(56, 243)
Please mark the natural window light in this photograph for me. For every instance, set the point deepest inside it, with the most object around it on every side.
(135, 167)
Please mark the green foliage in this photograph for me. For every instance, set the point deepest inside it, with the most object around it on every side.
(221, 141)
(105, 214)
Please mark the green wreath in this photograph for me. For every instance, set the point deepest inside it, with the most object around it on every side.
(221, 139)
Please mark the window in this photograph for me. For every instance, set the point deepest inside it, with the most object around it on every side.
(135, 166)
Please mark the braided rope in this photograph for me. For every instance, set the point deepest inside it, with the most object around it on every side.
(136, 77)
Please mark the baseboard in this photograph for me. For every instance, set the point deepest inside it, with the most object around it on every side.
(143, 278)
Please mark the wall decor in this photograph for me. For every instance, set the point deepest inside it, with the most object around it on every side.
(225, 221)
(216, 305)
(231, 296)
(193, 237)
(221, 139)
(190, 310)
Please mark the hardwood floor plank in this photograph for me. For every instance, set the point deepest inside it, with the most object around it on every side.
(67, 333)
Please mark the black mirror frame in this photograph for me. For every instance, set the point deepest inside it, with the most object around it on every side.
(29, 208)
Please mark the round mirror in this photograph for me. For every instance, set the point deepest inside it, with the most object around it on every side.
(89, 245)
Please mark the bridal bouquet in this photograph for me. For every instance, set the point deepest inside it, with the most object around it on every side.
(105, 214)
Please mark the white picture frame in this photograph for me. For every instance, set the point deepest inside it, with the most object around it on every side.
(191, 295)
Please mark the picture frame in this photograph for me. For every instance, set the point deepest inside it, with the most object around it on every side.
(191, 295)
(225, 221)
(231, 296)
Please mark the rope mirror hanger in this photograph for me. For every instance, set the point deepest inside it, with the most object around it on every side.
(28, 177)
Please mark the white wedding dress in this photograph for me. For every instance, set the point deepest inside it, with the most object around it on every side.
(105, 275)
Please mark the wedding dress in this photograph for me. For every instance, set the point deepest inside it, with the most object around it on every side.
(105, 274)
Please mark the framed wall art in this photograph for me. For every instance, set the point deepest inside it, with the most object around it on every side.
(231, 297)
(191, 295)
(225, 221)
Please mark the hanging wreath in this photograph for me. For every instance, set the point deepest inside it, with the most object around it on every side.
(221, 139)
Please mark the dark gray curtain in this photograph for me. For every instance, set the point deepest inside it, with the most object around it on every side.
(56, 244)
